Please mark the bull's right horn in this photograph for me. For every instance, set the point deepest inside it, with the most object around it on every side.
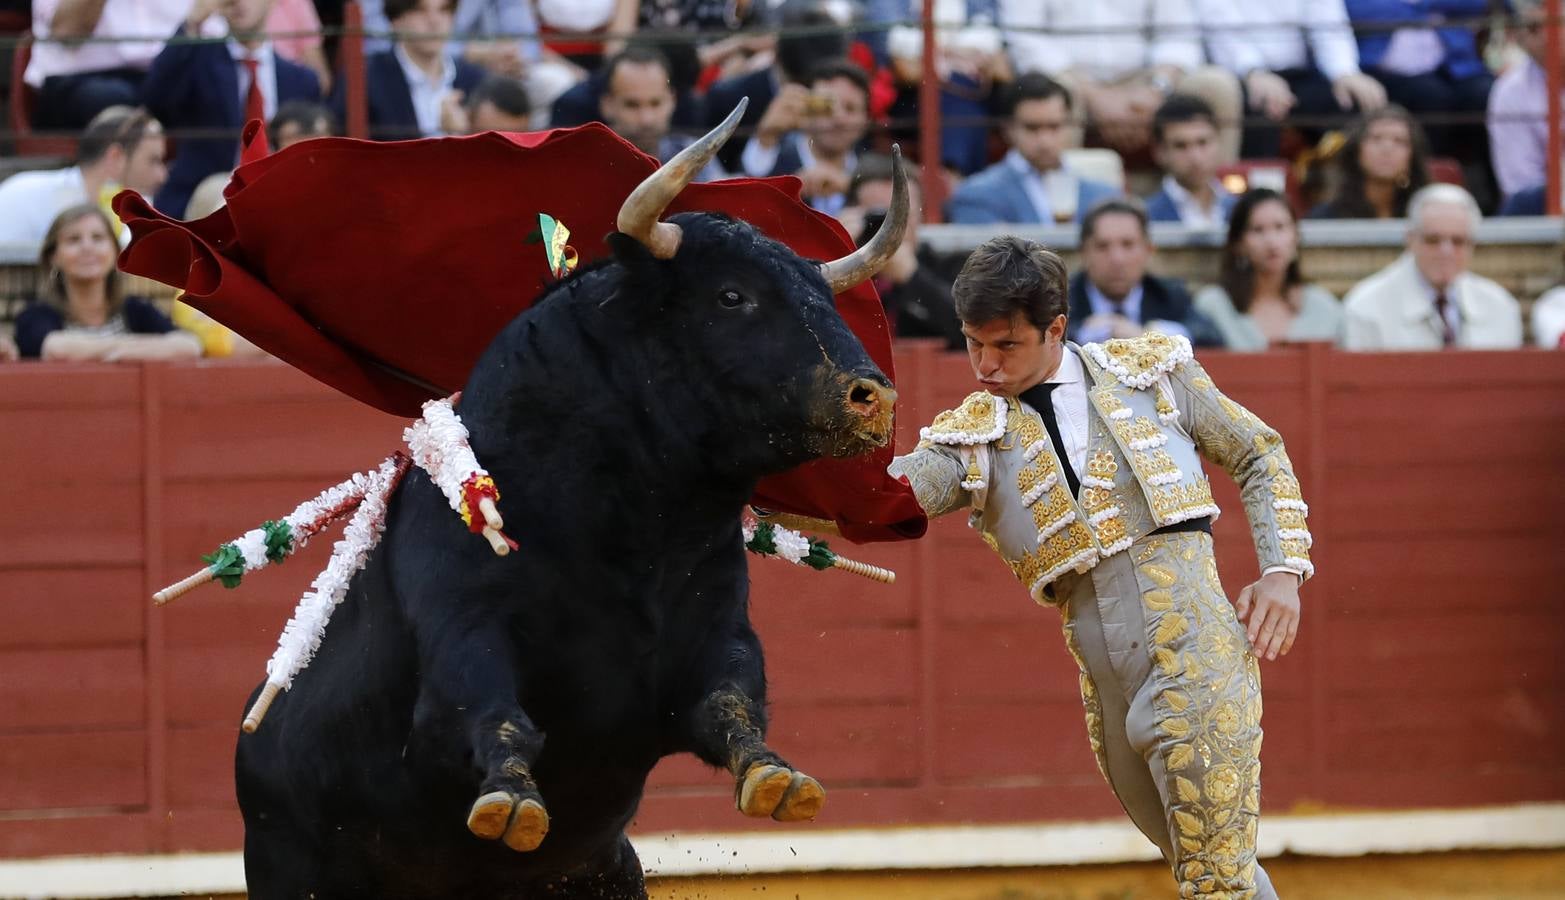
(864, 262)
(644, 207)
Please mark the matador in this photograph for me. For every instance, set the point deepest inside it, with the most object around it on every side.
(1081, 467)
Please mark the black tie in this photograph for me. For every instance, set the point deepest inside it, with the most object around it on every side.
(1038, 398)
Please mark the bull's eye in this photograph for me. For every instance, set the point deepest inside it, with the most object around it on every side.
(730, 299)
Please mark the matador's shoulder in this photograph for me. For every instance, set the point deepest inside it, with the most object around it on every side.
(979, 420)
(1139, 362)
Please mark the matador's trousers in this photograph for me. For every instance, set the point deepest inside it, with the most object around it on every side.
(1173, 701)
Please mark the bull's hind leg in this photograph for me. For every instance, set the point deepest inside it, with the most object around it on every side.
(468, 689)
(613, 875)
(731, 729)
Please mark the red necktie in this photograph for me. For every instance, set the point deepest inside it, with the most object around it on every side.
(1447, 333)
(255, 106)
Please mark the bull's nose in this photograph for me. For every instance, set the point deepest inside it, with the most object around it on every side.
(871, 397)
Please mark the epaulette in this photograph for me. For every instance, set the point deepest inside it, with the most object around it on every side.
(979, 420)
(1139, 362)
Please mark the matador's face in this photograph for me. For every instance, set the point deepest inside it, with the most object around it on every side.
(1011, 355)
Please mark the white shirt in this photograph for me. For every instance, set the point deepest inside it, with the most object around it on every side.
(1106, 39)
(154, 20)
(265, 72)
(1070, 408)
(426, 91)
(1047, 190)
(759, 162)
(1279, 34)
(1191, 212)
(29, 201)
(1413, 51)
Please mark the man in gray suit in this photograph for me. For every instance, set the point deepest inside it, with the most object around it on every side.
(1031, 184)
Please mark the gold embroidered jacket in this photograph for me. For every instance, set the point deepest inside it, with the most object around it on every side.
(1152, 413)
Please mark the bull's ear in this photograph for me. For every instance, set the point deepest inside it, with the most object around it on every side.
(646, 272)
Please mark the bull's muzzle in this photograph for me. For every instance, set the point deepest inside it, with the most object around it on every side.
(869, 404)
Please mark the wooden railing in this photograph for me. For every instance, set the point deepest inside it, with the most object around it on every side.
(1428, 672)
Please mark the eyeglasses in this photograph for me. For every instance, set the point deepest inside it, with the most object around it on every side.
(1458, 241)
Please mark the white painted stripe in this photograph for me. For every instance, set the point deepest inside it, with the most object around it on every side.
(808, 850)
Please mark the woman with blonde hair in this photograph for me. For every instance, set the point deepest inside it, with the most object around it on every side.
(1261, 297)
(81, 312)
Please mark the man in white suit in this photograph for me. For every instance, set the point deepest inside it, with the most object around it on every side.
(1427, 299)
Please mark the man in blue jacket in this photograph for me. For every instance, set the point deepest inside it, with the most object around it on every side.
(203, 89)
(1031, 184)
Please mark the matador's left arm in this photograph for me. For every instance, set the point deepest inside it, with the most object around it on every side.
(1253, 454)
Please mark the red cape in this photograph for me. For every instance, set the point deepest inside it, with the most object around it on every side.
(350, 259)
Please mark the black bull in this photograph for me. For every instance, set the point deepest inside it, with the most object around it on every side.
(476, 726)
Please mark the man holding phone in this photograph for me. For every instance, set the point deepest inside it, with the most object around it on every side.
(813, 130)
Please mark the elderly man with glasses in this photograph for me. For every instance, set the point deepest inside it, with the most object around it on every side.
(1429, 299)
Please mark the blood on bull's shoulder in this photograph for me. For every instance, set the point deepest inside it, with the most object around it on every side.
(484, 726)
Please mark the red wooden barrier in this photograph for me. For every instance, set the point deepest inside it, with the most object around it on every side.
(1428, 671)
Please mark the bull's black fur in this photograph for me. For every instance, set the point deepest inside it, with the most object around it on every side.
(626, 418)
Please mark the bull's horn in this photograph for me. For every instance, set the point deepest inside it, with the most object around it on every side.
(864, 262)
(639, 216)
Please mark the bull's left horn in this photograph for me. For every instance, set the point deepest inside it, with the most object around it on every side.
(644, 207)
(864, 262)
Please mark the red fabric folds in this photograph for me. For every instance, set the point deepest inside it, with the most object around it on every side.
(385, 269)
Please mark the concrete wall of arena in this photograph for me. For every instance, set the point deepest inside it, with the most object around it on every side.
(1428, 672)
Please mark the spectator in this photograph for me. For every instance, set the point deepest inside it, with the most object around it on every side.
(638, 103)
(1427, 299)
(295, 29)
(1119, 59)
(1261, 297)
(1519, 108)
(499, 103)
(814, 133)
(581, 30)
(80, 313)
(416, 88)
(1548, 319)
(1113, 296)
(1296, 60)
(473, 27)
(808, 39)
(299, 120)
(1531, 201)
(971, 65)
(121, 148)
(1425, 53)
(1031, 184)
(1184, 144)
(1383, 163)
(916, 296)
(209, 87)
(77, 78)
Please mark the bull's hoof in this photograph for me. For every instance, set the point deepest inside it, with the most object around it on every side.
(762, 789)
(803, 800)
(781, 793)
(502, 815)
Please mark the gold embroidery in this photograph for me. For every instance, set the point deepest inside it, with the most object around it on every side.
(1151, 352)
(1102, 465)
(1208, 718)
(971, 423)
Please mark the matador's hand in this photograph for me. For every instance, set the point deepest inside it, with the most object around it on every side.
(1270, 610)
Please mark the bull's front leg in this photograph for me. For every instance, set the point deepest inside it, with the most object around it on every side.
(729, 730)
(468, 695)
